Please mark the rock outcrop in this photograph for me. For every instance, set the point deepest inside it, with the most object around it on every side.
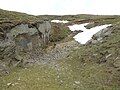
(23, 38)
(98, 37)
(27, 36)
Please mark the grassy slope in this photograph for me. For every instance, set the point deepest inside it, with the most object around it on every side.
(86, 68)
(9, 19)
(97, 70)
(86, 65)
(10, 16)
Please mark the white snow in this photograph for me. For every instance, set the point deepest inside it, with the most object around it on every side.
(59, 21)
(87, 34)
(77, 27)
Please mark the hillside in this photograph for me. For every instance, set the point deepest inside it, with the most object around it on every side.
(64, 64)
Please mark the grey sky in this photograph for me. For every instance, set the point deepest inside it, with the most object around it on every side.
(62, 7)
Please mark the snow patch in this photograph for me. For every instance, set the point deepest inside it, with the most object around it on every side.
(59, 21)
(87, 34)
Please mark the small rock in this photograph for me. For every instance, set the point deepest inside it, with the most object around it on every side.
(117, 63)
(58, 76)
(19, 79)
(13, 84)
(69, 65)
(77, 82)
(9, 84)
(94, 54)
(61, 81)
(19, 58)
(84, 64)
(108, 55)
(74, 84)
(16, 83)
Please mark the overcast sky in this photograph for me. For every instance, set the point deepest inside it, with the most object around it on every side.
(62, 7)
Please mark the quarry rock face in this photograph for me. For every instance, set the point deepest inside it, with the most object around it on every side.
(23, 37)
(26, 36)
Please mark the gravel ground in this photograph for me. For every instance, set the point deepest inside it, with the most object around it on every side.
(51, 54)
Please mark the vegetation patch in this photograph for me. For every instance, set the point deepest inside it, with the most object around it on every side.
(59, 32)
